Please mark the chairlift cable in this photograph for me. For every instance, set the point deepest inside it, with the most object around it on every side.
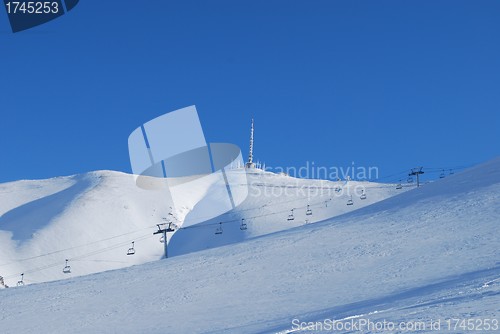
(75, 247)
(121, 244)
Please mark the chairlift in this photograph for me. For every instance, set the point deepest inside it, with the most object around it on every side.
(349, 201)
(308, 211)
(131, 250)
(21, 282)
(441, 176)
(399, 185)
(218, 230)
(290, 216)
(363, 195)
(410, 179)
(162, 240)
(307, 221)
(243, 225)
(67, 268)
(451, 172)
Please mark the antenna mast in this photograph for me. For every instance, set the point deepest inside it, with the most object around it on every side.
(250, 163)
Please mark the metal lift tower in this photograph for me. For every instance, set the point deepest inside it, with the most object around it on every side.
(416, 171)
(163, 229)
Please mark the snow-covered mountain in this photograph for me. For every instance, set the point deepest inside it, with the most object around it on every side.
(427, 254)
(92, 220)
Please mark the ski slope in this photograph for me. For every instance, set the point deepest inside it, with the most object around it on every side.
(425, 254)
(92, 219)
(271, 199)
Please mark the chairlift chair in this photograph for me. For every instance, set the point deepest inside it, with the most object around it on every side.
(451, 172)
(349, 201)
(410, 179)
(399, 186)
(219, 230)
(67, 268)
(308, 211)
(131, 250)
(441, 176)
(363, 195)
(243, 225)
(290, 216)
(21, 282)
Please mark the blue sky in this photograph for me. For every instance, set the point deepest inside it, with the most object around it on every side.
(393, 84)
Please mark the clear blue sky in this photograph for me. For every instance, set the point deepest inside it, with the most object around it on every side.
(393, 84)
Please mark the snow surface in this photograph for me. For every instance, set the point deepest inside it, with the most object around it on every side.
(92, 219)
(429, 253)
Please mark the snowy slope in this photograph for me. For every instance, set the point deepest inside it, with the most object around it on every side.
(427, 253)
(92, 219)
(48, 221)
(271, 197)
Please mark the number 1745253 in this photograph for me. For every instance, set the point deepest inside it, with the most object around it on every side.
(32, 7)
